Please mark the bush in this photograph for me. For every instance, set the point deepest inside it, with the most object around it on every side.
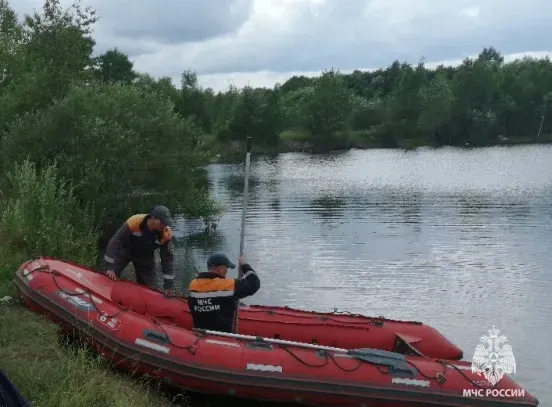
(122, 147)
(41, 216)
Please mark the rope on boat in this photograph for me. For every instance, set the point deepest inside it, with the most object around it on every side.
(378, 321)
(445, 363)
(190, 348)
(324, 315)
(440, 377)
(46, 269)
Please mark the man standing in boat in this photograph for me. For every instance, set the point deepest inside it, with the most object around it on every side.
(213, 298)
(136, 242)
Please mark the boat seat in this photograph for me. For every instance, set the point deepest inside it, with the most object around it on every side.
(404, 344)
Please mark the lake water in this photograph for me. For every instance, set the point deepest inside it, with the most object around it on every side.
(458, 239)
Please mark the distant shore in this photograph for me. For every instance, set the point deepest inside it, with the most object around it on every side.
(234, 150)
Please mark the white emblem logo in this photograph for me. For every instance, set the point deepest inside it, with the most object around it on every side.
(495, 359)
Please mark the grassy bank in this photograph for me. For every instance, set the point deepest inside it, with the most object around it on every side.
(41, 216)
(51, 374)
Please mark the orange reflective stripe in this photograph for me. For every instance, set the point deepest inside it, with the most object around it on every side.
(205, 285)
(134, 222)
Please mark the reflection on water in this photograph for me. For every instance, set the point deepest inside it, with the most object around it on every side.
(459, 239)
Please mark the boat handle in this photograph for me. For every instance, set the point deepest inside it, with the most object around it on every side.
(156, 336)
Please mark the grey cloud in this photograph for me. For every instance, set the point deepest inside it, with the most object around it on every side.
(340, 36)
(133, 48)
(165, 37)
(172, 21)
(316, 38)
(142, 26)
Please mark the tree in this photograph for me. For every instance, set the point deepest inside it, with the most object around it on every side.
(53, 53)
(114, 66)
(113, 141)
(10, 42)
(193, 101)
(330, 107)
(436, 102)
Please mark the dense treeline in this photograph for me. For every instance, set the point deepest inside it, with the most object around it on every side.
(482, 101)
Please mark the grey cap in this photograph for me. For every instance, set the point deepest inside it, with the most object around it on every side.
(162, 213)
(219, 259)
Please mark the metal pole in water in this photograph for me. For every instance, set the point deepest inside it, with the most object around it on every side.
(245, 192)
(244, 213)
(540, 127)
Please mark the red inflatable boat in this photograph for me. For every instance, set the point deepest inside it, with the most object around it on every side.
(246, 366)
(329, 329)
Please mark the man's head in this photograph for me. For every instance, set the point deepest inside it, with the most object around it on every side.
(160, 217)
(219, 263)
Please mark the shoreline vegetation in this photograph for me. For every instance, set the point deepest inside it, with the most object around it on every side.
(294, 142)
(86, 140)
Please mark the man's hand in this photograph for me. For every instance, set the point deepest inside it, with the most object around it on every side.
(111, 274)
(242, 259)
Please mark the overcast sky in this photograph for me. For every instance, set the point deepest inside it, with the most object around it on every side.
(260, 42)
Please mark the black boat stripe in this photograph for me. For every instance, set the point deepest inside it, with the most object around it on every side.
(126, 351)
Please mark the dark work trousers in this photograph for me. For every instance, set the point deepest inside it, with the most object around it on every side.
(144, 267)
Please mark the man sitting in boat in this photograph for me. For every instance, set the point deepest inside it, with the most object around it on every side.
(136, 242)
(213, 298)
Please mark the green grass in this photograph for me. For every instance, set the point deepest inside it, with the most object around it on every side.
(40, 216)
(52, 375)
